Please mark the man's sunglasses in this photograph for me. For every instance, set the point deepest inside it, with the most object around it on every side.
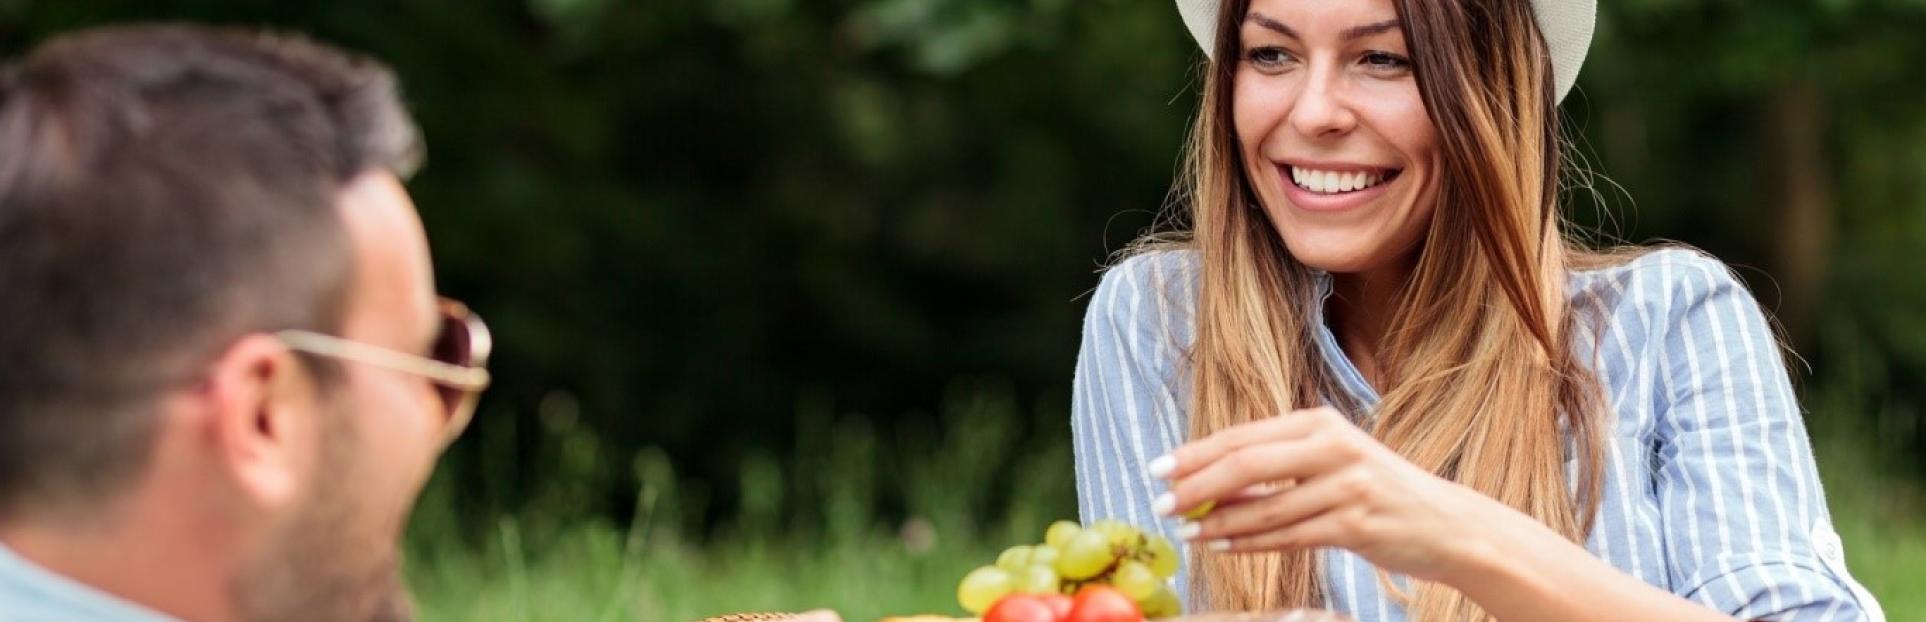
(458, 364)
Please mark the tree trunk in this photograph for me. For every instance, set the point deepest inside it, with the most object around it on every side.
(1803, 184)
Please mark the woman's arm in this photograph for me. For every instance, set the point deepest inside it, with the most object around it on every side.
(1737, 484)
(1739, 493)
(1529, 572)
(1354, 493)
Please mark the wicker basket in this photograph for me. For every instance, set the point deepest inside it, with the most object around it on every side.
(751, 617)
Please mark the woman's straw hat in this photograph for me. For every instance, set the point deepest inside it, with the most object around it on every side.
(1567, 25)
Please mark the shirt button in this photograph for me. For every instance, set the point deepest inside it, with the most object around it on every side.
(1830, 548)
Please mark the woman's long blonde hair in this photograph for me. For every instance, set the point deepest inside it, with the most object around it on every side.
(1482, 383)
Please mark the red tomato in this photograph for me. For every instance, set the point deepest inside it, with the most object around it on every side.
(1059, 604)
(1102, 603)
(1020, 608)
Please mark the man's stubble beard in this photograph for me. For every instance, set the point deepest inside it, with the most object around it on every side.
(333, 561)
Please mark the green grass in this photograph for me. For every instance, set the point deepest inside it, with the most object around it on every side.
(592, 573)
(1883, 523)
(826, 545)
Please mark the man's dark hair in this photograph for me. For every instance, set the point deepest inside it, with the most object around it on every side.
(164, 190)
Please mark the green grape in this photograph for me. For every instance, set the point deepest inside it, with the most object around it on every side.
(1060, 533)
(1038, 579)
(1136, 581)
(1112, 528)
(1014, 559)
(1120, 534)
(1162, 604)
(1162, 557)
(1085, 556)
(1044, 555)
(983, 587)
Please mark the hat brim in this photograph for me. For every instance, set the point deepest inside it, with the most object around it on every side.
(1567, 26)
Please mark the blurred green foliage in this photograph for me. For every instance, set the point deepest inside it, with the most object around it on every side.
(757, 252)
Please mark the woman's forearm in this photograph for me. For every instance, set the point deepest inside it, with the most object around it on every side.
(1532, 573)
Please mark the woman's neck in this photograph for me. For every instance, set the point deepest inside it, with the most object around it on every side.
(1360, 314)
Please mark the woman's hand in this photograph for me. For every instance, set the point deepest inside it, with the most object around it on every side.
(1312, 479)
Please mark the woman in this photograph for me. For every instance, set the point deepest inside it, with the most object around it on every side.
(1404, 391)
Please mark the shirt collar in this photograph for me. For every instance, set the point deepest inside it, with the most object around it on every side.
(1348, 376)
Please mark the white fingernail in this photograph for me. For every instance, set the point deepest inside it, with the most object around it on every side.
(1220, 545)
(1165, 505)
(1162, 466)
(1189, 530)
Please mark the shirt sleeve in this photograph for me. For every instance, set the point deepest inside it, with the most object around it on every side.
(1126, 399)
(1745, 520)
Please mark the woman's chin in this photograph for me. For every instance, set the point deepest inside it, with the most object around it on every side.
(1322, 254)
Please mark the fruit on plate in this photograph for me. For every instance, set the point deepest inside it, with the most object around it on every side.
(1094, 603)
(1128, 563)
(1021, 608)
(1102, 603)
(983, 587)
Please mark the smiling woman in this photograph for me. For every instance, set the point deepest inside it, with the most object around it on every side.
(1290, 99)
(1406, 392)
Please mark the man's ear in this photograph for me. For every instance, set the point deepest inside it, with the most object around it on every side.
(263, 419)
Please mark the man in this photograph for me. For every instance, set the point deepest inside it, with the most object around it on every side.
(224, 372)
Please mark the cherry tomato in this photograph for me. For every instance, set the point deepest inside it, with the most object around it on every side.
(1102, 603)
(1059, 605)
(1020, 608)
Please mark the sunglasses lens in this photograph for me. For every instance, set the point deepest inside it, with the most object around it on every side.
(454, 347)
(463, 343)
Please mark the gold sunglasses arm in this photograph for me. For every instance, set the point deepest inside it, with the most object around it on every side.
(464, 378)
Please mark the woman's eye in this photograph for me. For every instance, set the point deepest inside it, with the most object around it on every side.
(1269, 57)
(1385, 62)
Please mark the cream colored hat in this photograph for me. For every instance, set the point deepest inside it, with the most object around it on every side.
(1567, 25)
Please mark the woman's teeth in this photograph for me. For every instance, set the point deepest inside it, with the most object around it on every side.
(1330, 182)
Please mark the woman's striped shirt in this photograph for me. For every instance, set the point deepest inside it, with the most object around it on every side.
(1710, 491)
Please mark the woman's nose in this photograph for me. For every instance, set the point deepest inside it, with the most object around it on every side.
(1320, 110)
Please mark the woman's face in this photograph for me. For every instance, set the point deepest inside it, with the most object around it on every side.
(1333, 133)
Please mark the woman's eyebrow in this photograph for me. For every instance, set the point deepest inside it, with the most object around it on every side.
(1354, 32)
(1265, 21)
(1359, 32)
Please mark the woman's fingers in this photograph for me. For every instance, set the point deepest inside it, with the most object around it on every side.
(1280, 509)
(1202, 452)
(1335, 527)
(1280, 461)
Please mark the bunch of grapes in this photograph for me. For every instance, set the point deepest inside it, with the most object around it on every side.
(1071, 556)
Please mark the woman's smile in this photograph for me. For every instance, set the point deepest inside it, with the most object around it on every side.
(1333, 186)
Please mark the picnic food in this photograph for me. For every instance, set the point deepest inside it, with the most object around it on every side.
(1099, 603)
(1094, 603)
(1135, 566)
(1022, 608)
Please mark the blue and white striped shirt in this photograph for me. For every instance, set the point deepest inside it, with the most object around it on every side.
(1710, 490)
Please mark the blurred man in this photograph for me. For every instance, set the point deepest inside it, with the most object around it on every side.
(224, 371)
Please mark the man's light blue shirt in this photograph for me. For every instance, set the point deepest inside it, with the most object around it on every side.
(30, 593)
